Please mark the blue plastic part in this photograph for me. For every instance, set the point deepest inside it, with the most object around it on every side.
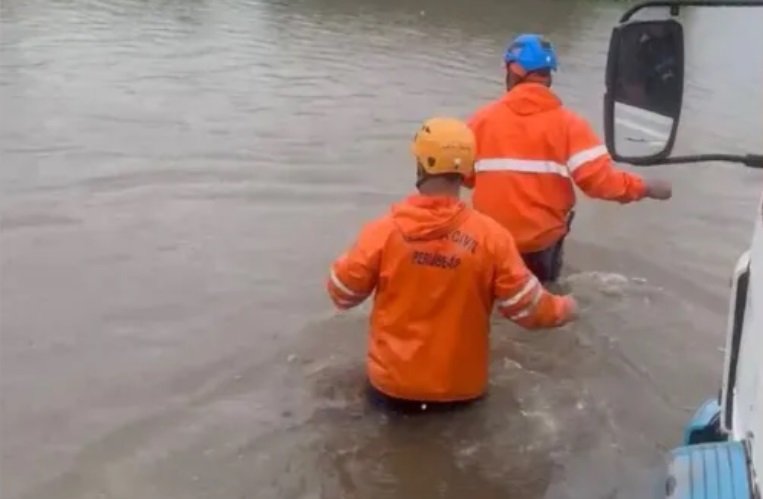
(531, 52)
(709, 471)
(703, 427)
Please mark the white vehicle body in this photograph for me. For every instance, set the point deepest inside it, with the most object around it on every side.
(722, 452)
(742, 391)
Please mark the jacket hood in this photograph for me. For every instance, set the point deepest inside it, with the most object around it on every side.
(421, 217)
(531, 98)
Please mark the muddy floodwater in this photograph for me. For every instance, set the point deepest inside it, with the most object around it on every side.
(176, 177)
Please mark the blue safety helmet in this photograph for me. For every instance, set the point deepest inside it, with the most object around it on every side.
(531, 52)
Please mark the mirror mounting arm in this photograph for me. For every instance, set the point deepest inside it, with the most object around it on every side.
(754, 160)
(675, 4)
(750, 160)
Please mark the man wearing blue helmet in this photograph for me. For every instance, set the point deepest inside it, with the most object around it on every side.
(531, 151)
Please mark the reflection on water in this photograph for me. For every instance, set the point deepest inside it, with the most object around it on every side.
(176, 177)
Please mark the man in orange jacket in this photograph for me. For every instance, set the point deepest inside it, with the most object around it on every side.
(437, 267)
(530, 152)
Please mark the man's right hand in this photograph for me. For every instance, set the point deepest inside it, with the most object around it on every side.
(571, 310)
(658, 189)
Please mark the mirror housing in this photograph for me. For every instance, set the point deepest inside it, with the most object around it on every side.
(644, 90)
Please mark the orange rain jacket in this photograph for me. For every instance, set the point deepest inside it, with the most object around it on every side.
(437, 267)
(528, 148)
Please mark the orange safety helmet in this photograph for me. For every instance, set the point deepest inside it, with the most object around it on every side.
(443, 146)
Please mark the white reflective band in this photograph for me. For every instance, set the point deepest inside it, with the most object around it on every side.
(530, 306)
(520, 165)
(346, 303)
(531, 284)
(580, 158)
(342, 287)
(520, 315)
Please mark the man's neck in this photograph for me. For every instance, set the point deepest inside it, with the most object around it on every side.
(440, 192)
(438, 186)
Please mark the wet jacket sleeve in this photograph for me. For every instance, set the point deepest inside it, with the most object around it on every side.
(353, 276)
(592, 169)
(520, 297)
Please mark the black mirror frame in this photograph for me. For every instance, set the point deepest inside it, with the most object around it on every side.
(750, 160)
(609, 100)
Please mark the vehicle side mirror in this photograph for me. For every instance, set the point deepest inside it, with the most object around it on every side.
(645, 84)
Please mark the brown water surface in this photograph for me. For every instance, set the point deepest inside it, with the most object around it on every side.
(176, 177)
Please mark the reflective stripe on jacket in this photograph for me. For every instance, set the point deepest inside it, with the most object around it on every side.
(530, 151)
(437, 268)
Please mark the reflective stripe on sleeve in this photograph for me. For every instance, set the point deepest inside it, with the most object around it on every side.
(531, 284)
(341, 303)
(580, 158)
(343, 287)
(530, 308)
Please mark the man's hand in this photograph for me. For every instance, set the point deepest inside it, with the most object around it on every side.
(571, 309)
(659, 189)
